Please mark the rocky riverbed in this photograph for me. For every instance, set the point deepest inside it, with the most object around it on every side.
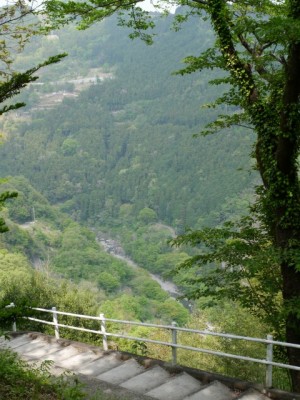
(114, 248)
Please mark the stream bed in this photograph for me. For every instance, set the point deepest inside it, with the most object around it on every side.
(114, 248)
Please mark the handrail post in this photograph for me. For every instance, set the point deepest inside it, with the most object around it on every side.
(14, 324)
(103, 330)
(174, 341)
(55, 321)
(269, 370)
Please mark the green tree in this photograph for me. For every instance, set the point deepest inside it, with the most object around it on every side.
(69, 147)
(108, 282)
(147, 215)
(3, 197)
(18, 25)
(16, 29)
(261, 69)
(257, 45)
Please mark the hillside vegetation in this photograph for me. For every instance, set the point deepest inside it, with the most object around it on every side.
(117, 157)
(127, 143)
(57, 245)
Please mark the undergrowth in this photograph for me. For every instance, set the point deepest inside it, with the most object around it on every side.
(18, 380)
(21, 381)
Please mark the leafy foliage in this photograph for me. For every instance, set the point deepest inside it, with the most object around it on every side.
(263, 95)
(62, 248)
(3, 197)
(236, 262)
(16, 29)
(104, 170)
(261, 67)
(19, 380)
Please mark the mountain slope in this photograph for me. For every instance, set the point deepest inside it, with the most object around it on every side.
(128, 141)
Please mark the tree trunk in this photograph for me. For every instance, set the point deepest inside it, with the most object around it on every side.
(291, 291)
(288, 210)
(277, 123)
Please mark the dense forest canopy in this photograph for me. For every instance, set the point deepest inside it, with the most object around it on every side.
(18, 24)
(120, 155)
(127, 142)
(262, 67)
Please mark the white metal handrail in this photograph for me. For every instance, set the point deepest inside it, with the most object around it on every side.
(202, 332)
(269, 342)
(179, 346)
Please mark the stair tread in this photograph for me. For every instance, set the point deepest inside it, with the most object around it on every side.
(252, 394)
(215, 391)
(101, 365)
(128, 369)
(77, 360)
(18, 341)
(147, 380)
(61, 354)
(28, 347)
(43, 350)
(154, 382)
(176, 388)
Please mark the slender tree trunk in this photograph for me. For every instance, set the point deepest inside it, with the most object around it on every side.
(291, 285)
(287, 230)
(277, 148)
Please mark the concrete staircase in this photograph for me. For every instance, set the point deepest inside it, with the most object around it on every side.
(148, 380)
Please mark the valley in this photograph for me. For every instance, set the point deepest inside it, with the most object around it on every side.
(105, 142)
(105, 154)
(112, 247)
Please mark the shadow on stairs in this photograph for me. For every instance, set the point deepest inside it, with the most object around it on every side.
(133, 377)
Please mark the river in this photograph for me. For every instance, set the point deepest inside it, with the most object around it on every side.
(114, 248)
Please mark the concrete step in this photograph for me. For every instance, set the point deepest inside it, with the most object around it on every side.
(29, 347)
(101, 365)
(128, 369)
(58, 356)
(43, 351)
(3, 341)
(176, 388)
(146, 381)
(215, 391)
(78, 360)
(16, 342)
(109, 368)
(252, 394)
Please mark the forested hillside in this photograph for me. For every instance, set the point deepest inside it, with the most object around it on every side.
(72, 272)
(105, 148)
(59, 247)
(127, 143)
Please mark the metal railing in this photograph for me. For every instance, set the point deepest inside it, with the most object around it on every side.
(173, 329)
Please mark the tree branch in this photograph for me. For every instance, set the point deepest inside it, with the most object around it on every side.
(246, 44)
(202, 2)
